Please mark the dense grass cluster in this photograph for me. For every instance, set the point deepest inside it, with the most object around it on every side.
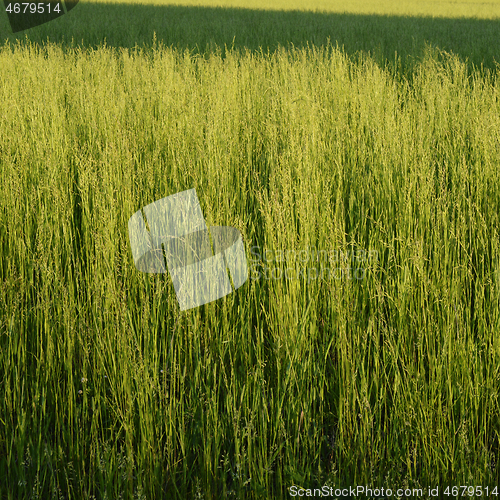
(324, 162)
(391, 379)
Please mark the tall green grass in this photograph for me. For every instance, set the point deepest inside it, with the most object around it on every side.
(108, 391)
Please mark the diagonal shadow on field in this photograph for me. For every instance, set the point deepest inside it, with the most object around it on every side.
(202, 28)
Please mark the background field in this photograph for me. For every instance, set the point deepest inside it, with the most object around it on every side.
(390, 31)
(391, 380)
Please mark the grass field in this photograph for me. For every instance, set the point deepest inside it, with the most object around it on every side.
(366, 143)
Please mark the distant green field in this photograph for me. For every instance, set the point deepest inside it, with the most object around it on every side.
(358, 155)
(389, 30)
(429, 8)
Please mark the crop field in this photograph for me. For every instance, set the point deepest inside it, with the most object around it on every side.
(356, 148)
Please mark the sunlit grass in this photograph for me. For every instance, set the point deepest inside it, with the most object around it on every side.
(108, 390)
